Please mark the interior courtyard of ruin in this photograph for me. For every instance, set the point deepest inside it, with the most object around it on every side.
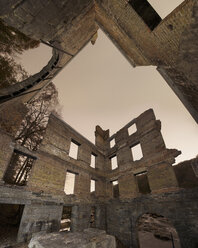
(125, 190)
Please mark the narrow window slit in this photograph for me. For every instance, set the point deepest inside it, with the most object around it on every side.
(114, 162)
(115, 185)
(92, 185)
(93, 160)
(73, 151)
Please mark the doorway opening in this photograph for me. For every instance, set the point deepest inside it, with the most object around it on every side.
(65, 225)
(156, 231)
(93, 217)
(10, 218)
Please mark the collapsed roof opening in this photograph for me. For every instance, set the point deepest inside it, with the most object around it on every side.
(146, 12)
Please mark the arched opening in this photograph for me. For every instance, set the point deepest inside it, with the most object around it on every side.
(156, 231)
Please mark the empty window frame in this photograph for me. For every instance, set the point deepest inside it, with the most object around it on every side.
(114, 162)
(65, 224)
(69, 183)
(132, 129)
(93, 160)
(73, 151)
(115, 185)
(136, 152)
(146, 12)
(112, 143)
(92, 185)
(143, 183)
(19, 169)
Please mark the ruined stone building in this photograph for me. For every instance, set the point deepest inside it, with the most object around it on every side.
(106, 195)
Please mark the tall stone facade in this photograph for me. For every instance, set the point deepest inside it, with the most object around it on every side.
(145, 182)
(126, 185)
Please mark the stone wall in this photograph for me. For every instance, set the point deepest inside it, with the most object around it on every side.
(69, 26)
(147, 184)
(179, 207)
(156, 159)
(43, 217)
(186, 173)
(147, 46)
(49, 171)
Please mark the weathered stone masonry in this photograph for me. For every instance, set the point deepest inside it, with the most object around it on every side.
(148, 185)
(134, 186)
(170, 44)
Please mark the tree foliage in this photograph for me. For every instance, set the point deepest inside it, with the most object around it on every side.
(12, 43)
(32, 129)
(33, 126)
(31, 133)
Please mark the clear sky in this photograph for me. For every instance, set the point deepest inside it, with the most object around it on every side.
(99, 87)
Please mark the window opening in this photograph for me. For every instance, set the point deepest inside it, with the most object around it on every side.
(69, 183)
(92, 185)
(66, 219)
(115, 188)
(10, 218)
(112, 143)
(143, 183)
(19, 169)
(136, 152)
(114, 162)
(132, 129)
(93, 160)
(93, 217)
(73, 151)
(146, 12)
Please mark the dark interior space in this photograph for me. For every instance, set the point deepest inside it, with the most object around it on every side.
(116, 193)
(93, 217)
(146, 12)
(143, 183)
(10, 218)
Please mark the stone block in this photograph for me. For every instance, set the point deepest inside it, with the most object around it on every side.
(89, 238)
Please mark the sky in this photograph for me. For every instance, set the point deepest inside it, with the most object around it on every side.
(100, 87)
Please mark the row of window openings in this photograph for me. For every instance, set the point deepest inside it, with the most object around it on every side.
(131, 130)
(142, 183)
(70, 183)
(136, 153)
(73, 153)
